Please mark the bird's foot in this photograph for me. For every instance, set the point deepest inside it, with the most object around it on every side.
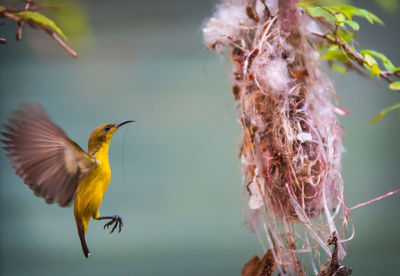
(116, 220)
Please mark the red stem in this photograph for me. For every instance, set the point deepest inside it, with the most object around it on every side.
(375, 199)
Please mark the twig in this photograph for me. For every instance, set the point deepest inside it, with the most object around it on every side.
(61, 42)
(357, 57)
(11, 14)
(18, 36)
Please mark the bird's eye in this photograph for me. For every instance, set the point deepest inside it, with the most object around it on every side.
(107, 128)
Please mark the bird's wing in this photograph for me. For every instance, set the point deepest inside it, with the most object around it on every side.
(49, 162)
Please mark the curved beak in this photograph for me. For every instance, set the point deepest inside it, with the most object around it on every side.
(117, 125)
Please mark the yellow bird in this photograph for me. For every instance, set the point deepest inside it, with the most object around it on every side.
(57, 169)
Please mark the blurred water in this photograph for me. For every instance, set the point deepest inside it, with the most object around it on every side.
(176, 175)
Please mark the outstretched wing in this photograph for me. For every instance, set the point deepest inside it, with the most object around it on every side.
(48, 161)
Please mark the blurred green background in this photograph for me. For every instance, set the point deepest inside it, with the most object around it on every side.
(175, 173)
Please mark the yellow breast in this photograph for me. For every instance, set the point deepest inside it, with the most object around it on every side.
(91, 189)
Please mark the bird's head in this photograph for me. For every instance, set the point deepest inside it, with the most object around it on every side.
(101, 135)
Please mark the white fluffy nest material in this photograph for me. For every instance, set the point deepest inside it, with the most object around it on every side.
(291, 139)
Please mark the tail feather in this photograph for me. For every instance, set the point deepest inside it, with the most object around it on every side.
(81, 233)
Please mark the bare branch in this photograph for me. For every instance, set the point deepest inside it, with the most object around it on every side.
(18, 35)
(54, 36)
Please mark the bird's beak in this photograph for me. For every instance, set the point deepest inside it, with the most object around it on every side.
(117, 125)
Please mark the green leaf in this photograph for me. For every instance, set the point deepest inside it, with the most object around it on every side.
(372, 65)
(345, 35)
(41, 20)
(306, 5)
(320, 12)
(348, 11)
(338, 68)
(395, 85)
(335, 55)
(368, 15)
(333, 47)
(329, 2)
(397, 69)
(2, 8)
(353, 24)
(375, 71)
(370, 60)
(385, 61)
(386, 110)
(340, 17)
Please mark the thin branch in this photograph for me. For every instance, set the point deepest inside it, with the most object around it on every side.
(18, 36)
(9, 14)
(357, 56)
(54, 36)
(28, 3)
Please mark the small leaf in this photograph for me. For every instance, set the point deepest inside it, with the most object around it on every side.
(331, 36)
(41, 20)
(353, 24)
(371, 65)
(306, 5)
(377, 118)
(375, 71)
(397, 69)
(386, 110)
(340, 17)
(395, 85)
(335, 55)
(348, 11)
(368, 15)
(333, 47)
(320, 12)
(385, 61)
(370, 60)
(329, 2)
(2, 8)
(338, 68)
(345, 35)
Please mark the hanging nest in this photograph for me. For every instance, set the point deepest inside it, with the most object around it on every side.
(291, 138)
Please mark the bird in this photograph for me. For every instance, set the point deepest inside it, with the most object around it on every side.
(58, 169)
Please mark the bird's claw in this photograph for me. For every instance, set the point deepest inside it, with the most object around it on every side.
(117, 221)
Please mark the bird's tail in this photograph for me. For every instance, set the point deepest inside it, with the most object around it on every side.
(81, 232)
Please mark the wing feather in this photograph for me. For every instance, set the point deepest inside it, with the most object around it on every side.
(48, 161)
